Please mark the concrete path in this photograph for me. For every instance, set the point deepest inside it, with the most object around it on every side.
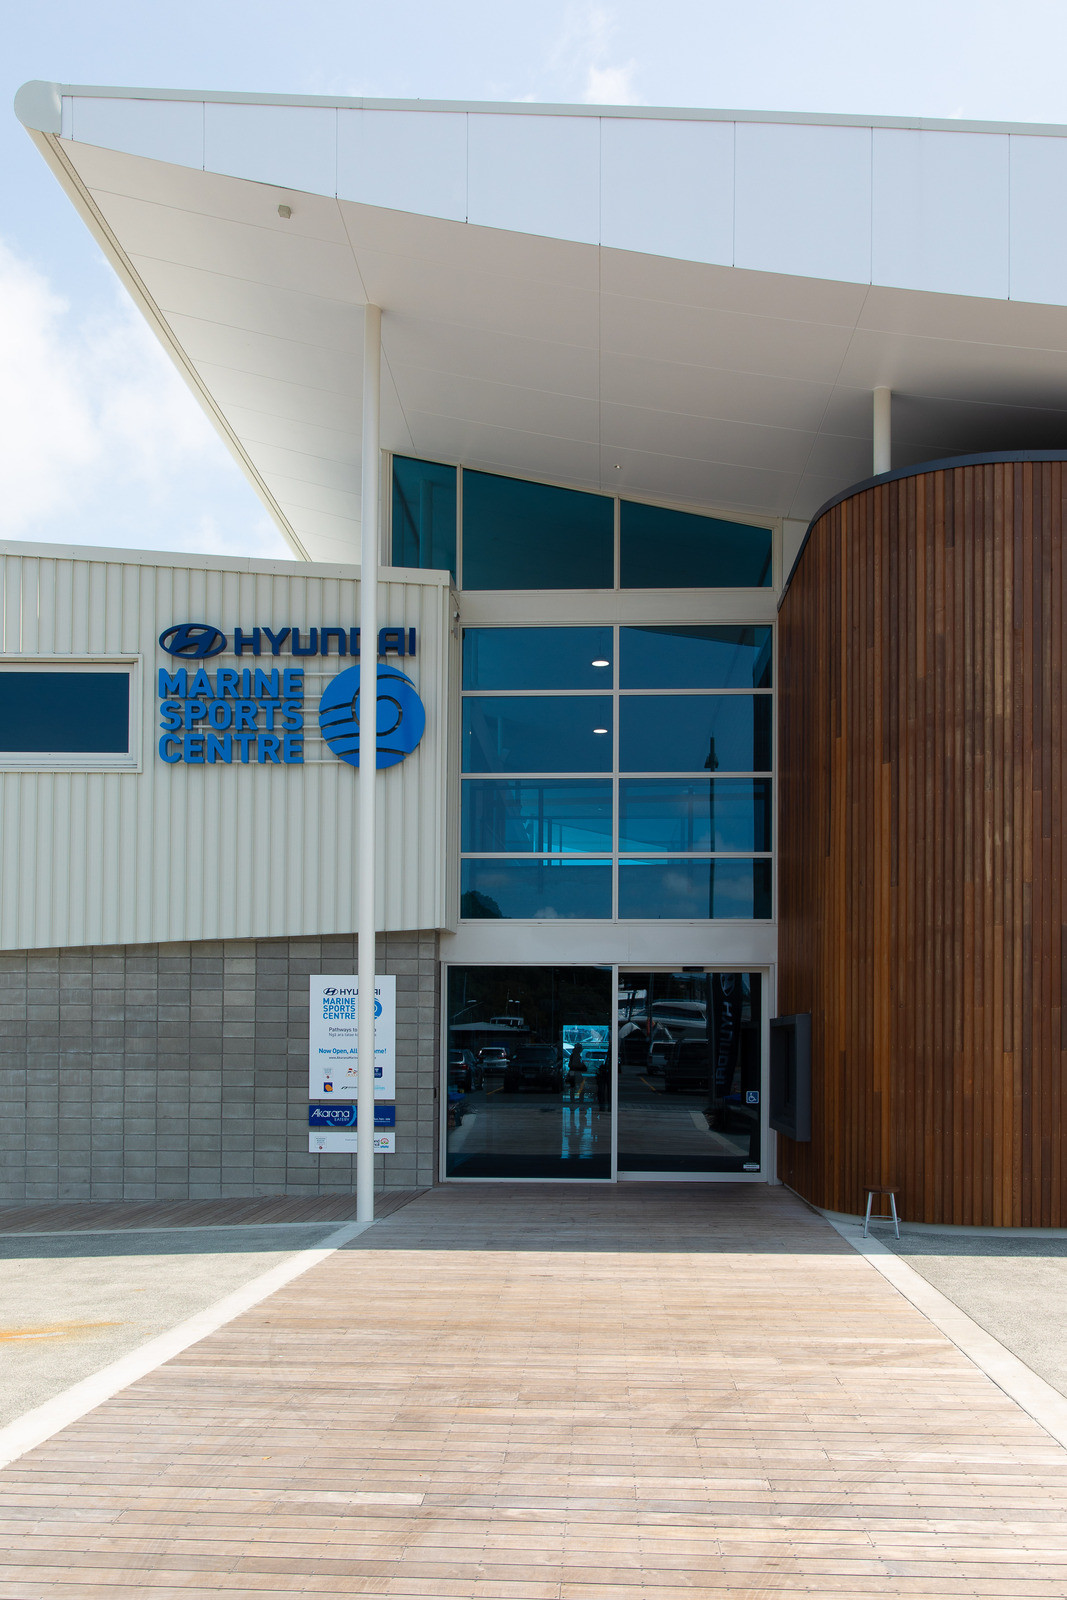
(1014, 1286)
(82, 1285)
(635, 1393)
(71, 1304)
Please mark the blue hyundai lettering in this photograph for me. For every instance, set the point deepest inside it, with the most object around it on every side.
(194, 641)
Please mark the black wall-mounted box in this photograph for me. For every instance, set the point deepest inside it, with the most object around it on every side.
(790, 1109)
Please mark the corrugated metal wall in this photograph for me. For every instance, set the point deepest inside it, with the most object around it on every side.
(173, 853)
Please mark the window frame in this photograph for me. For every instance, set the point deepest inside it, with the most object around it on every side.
(773, 524)
(616, 857)
(130, 760)
(653, 964)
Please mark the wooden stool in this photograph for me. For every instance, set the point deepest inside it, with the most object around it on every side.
(882, 1188)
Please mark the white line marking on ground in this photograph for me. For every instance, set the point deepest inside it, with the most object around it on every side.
(1036, 1397)
(28, 1431)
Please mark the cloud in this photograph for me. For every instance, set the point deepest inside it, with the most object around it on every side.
(583, 53)
(611, 86)
(101, 442)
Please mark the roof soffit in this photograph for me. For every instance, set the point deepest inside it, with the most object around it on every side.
(689, 381)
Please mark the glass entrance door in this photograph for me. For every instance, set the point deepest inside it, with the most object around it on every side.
(528, 1075)
(689, 1072)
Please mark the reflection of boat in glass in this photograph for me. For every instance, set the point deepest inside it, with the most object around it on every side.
(675, 1022)
(688, 1014)
(593, 1039)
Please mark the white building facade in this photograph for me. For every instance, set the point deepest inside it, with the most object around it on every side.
(627, 356)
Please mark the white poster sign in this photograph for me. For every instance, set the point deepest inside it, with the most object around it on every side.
(326, 1141)
(333, 1037)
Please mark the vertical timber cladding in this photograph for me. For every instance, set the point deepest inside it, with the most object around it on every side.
(921, 863)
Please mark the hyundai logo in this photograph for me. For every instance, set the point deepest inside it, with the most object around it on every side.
(193, 641)
(401, 717)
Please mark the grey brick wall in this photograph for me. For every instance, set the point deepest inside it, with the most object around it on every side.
(179, 1071)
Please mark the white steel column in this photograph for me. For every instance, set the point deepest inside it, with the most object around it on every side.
(883, 431)
(368, 750)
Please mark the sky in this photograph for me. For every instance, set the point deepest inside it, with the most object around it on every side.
(101, 442)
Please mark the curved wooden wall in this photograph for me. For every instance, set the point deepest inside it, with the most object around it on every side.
(922, 905)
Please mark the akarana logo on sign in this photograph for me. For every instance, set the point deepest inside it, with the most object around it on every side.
(193, 641)
(400, 719)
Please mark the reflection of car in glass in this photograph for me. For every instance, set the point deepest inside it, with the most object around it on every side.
(659, 1048)
(463, 1071)
(535, 1066)
(456, 1107)
(675, 1021)
(633, 1044)
(687, 1067)
(494, 1058)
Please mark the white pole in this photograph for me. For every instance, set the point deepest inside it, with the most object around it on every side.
(368, 723)
(883, 431)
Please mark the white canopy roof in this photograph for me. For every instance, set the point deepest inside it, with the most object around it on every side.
(687, 306)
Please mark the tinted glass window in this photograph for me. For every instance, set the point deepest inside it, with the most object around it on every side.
(519, 535)
(689, 1080)
(692, 889)
(537, 733)
(537, 814)
(695, 658)
(424, 514)
(529, 1083)
(67, 713)
(695, 814)
(537, 658)
(535, 889)
(688, 732)
(663, 549)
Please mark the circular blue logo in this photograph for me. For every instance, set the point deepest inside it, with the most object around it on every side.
(401, 718)
(193, 641)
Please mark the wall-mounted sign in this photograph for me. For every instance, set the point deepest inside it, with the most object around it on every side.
(235, 714)
(345, 1115)
(401, 716)
(332, 1128)
(333, 1141)
(255, 715)
(333, 1037)
(196, 641)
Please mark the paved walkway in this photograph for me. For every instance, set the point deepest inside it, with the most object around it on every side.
(639, 1393)
(113, 1216)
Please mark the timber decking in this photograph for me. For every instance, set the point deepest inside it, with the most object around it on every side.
(556, 1393)
(264, 1210)
(922, 870)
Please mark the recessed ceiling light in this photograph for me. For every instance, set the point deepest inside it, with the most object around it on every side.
(601, 663)
(285, 212)
(600, 730)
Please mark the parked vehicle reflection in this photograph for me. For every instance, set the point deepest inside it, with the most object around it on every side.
(523, 1025)
(689, 1072)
